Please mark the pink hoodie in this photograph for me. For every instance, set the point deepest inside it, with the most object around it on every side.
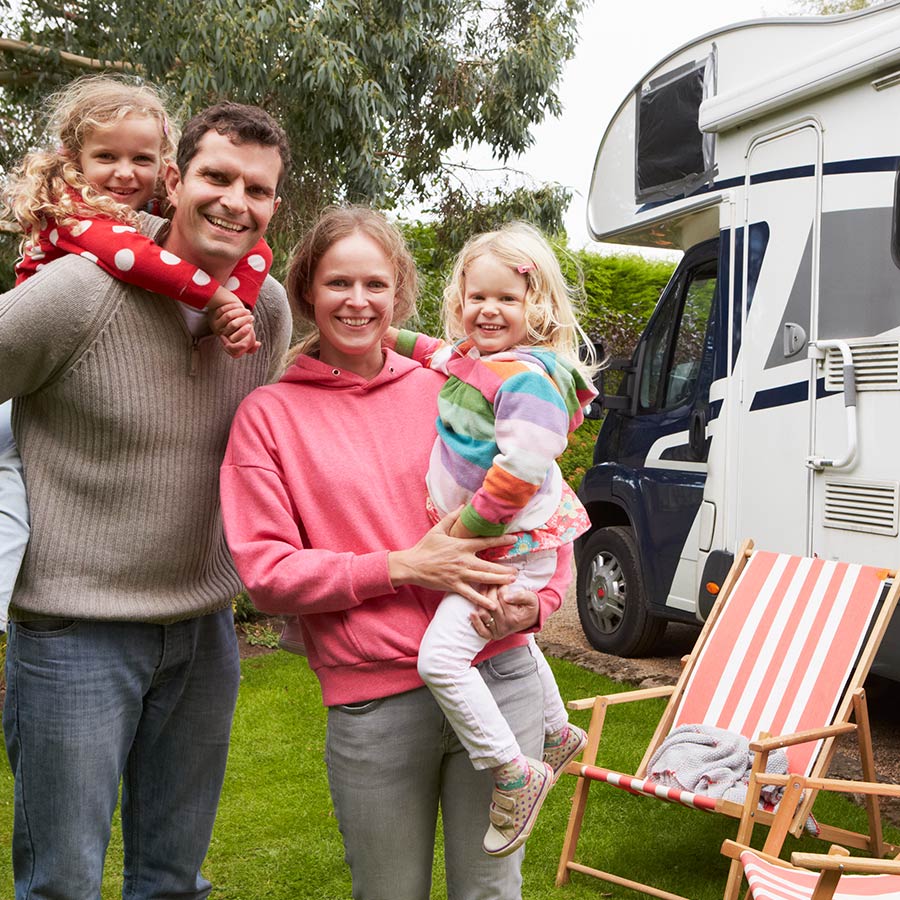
(326, 459)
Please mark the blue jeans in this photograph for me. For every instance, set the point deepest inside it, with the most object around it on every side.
(89, 703)
(392, 762)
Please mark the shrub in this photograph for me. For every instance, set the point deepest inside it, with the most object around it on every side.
(243, 608)
(579, 454)
(618, 293)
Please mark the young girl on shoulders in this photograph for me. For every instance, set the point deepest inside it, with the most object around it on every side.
(110, 141)
(515, 390)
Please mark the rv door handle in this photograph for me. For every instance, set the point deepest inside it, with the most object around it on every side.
(697, 434)
(819, 463)
(794, 338)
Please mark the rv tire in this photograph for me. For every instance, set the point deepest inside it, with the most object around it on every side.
(611, 602)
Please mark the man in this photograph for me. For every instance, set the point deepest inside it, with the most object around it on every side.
(122, 658)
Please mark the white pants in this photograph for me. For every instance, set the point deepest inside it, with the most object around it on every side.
(445, 665)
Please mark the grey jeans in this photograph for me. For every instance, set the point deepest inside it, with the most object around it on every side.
(393, 762)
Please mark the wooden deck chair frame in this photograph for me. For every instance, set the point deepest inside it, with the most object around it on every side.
(852, 704)
(832, 865)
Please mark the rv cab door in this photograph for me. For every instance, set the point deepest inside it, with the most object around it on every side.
(665, 441)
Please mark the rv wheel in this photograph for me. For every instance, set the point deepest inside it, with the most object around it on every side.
(611, 602)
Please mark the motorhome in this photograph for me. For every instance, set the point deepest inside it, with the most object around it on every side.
(763, 398)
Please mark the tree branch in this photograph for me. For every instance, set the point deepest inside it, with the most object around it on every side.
(82, 62)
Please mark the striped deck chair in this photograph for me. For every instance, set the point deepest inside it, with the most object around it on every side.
(771, 878)
(781, 661)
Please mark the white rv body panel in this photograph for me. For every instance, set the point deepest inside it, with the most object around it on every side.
(795, 147)
(820, 55)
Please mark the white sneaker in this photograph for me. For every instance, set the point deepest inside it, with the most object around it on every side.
(513, 813)
(560, 756)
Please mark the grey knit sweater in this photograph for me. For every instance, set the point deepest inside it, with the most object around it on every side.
(121, 420)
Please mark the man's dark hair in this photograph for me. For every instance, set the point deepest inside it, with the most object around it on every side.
(243, 124)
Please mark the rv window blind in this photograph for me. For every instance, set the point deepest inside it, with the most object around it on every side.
(672, 159)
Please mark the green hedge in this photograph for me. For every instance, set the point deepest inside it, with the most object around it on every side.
(618, 292)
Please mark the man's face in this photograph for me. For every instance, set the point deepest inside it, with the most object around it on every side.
(223, 202)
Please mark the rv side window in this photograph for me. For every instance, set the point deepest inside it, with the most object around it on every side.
(656, 356)
(675, 345)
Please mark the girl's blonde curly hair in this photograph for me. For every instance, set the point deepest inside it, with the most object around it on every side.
(41, 187)
(550, 304)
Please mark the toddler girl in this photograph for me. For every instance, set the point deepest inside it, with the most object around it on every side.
(515, 390)
(112, 141)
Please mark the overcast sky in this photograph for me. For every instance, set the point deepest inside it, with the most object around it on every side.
(620, 42)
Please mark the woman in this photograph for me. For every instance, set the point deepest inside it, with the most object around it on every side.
(323, 495)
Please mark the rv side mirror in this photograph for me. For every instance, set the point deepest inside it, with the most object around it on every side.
(605, 400)
(601, 354)
(595, 355)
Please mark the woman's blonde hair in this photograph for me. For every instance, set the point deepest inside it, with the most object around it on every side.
(40, 188)
(550, 304)
(334, 224)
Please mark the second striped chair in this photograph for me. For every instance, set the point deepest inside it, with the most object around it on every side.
(818, 876)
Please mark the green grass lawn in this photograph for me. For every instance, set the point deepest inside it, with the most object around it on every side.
(276, 837)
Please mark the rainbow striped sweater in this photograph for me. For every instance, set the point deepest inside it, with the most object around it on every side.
(502, 422)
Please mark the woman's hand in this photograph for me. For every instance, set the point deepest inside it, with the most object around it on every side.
(444, 563)
(516, 610)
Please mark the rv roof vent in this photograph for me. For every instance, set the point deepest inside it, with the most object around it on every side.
(862, 505)
(877, 367)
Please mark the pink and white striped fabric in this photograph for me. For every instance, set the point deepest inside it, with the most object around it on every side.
(777, 659)
(647, 788)
(779, 656)
(772, 882)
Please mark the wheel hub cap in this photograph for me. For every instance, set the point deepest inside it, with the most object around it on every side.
(606, 593)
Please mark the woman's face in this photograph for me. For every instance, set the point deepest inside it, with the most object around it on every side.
(353, 299)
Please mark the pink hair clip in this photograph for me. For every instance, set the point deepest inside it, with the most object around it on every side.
(524, 270)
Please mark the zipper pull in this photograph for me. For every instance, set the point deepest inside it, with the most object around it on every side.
(195, 357)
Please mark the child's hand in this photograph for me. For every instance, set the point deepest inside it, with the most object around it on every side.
(223, 300)
(458, 530)
(241, 341)
(389, 341)
(233, 322)
(225, 313)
